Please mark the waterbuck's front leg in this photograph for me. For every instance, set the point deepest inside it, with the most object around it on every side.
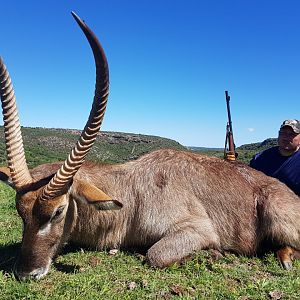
(186, 239)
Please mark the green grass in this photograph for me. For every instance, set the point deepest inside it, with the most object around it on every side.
(86, 274)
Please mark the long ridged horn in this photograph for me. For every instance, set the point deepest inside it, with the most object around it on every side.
(88, 136)
(12, 131)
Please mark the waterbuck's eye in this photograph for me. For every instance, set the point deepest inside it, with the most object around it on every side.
(58, 212)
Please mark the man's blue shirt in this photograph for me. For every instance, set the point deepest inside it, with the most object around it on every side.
(284, 168)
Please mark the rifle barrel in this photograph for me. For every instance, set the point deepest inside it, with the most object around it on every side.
(228, 111)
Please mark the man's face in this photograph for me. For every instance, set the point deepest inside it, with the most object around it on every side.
(288, 140)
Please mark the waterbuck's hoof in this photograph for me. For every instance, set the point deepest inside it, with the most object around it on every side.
(285, 255)
(287, 265)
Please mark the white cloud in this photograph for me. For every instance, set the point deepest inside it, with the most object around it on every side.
(251, 129)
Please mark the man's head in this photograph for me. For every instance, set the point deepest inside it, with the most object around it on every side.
(289, 137)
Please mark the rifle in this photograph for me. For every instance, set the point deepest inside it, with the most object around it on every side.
(229, 153)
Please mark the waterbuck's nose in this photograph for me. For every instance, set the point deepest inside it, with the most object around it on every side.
(33, 275)
(22, 273)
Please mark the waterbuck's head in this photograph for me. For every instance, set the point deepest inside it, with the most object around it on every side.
(45, 199)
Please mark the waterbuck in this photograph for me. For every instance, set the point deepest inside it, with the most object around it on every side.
(170, 202)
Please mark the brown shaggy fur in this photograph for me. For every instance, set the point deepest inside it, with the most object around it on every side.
(174, 203)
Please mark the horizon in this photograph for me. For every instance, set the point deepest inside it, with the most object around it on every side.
(170, 64)
(133, 133)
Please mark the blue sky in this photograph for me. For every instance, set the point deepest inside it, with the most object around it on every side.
(170, 63)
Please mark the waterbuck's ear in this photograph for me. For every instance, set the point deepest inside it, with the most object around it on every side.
(86, 191)
(5, 176)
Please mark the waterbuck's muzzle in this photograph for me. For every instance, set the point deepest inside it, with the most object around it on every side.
(28, 272)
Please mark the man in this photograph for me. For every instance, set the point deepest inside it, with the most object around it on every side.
(283, 161)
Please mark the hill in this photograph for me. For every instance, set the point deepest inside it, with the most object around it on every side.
(48, 144)
(268, 143)
(245, 152)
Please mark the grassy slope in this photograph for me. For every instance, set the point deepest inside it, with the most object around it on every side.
(48, 145)
(84, 274)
